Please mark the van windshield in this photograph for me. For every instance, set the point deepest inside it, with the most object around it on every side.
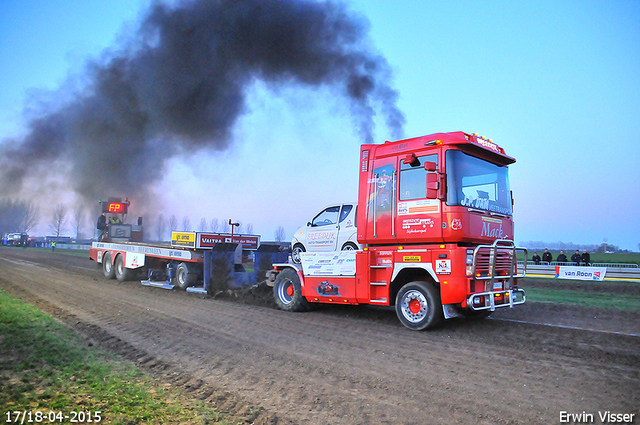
(476, 183)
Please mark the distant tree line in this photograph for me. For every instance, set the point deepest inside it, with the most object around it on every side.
(570, 246)
(17, 216)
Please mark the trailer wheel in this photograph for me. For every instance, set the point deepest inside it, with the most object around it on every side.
(296, 251)
(122, 273)
(287, 291)
(107, 266)
(185, 277)
(418, 306)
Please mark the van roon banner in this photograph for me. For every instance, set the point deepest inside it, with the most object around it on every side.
(580, 273)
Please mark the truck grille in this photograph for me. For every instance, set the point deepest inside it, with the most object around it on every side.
(497, 262)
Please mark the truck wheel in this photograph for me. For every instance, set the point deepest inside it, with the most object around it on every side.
(121, 272)
(287, 291)
(185, 277)
(349, 246)
(107, 266)
(418, 306)
(295, 253)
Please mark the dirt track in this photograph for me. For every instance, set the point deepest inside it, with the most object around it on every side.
(347, 365)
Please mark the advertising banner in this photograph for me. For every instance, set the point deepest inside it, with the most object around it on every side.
(208, 240)
(580, 272)
(183, 239)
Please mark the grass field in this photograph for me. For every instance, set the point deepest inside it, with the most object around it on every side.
(45, 368)
(585, 299)
(72, 252)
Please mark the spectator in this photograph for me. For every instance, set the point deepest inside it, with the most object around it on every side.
(536, 258)
(561, 258)
(546, 256)
(101, 225)
(576, 258)
(586, 258)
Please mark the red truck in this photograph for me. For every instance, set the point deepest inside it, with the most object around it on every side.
(434, 230)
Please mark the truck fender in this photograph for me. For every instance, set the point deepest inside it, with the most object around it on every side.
(428, 267)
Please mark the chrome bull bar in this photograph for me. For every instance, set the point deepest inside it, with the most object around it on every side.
(487, 300)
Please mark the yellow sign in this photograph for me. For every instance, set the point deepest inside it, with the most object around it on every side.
(183, 239)
(412, 258)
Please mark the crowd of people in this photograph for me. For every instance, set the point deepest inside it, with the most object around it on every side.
(577, 259)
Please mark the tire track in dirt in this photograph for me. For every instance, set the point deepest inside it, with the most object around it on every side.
(351, 365)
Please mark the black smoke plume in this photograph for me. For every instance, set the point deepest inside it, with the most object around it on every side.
(179, 85)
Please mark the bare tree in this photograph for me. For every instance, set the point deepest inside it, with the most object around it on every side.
(225, 227)
(280, 234)
(78, 221)
(186, 224)
(30, 216)
(161, 227)
(214, 225)
(173, 223)
(58, 220)
(249, 228)
(17, 216)
(203, 225)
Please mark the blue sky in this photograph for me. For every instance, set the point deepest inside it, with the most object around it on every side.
(555, 83)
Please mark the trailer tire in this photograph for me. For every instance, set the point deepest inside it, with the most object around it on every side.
(185, 276)
(418, 306)
(287, 291)
(121, 272)
(107, 266)
(296, 251)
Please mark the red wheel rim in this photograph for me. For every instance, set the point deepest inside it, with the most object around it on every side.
(289, 290)
(414, 306)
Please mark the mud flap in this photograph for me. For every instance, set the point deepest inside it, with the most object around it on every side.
(450, 311)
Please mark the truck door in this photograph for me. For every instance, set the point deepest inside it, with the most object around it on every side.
(381, 203)
(323, 233)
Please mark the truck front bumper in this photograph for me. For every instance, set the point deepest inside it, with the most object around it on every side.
(496, 299)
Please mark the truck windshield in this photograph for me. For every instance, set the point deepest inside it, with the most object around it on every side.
(476, 183)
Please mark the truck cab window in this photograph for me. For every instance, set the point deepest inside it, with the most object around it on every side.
(326, 217)
(475, 183)
(413, 179)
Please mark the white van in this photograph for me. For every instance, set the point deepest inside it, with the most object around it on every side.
(333, 229)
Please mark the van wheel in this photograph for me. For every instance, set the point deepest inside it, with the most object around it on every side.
(418, 306)
(287, 291)
(349, 246)
(185, 276)
(107, 266)
(121, 272)
(296, 251)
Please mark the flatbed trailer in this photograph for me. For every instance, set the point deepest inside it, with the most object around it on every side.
(124, 260)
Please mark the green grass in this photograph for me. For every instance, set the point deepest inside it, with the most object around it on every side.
(44, 367)
(585, 299)
(72, 252)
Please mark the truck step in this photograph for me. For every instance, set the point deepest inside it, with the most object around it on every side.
(162, 284)
(197, 290)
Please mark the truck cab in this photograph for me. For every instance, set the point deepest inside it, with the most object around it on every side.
(435, 234)
(332, 229)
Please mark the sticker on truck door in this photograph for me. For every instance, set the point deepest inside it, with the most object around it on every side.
(443, 266)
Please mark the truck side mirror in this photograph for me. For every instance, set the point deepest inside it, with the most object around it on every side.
(433, 185)
(430, 166)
